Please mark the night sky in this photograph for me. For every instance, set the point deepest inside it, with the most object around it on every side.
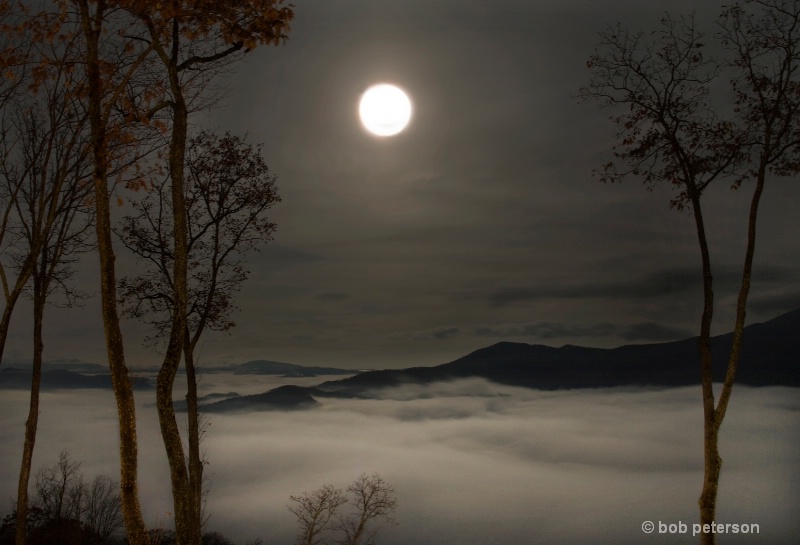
(480, 223)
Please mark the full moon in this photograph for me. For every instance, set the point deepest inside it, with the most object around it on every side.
(385, 109)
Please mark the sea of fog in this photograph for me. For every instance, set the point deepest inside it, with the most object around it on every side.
(471, 462)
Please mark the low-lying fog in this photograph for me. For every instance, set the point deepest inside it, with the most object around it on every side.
(472, 462)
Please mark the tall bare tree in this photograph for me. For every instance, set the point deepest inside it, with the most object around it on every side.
(191, 41)
(50, 175)
(672, 132)
(112, 58)
(228, 192)
(15, 78)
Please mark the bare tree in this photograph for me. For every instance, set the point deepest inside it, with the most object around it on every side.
(372, 499)
(372, 502)
(102, 510)
(191, 42)
(670, 132)
(229, 191)
(315, 512)
(47, 169)
(15, 80)
(111, 59)
(65, 509)
(60, 489)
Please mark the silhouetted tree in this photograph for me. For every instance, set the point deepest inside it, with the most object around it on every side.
(60, 489)
(228, 192)
(102, 510)
(64, 509)
(14, 80)
(315, 512)
(372, 499)
(8, 527)
(113, 58)
(671, 132)
(169, 537)
(215, 538)
(191, 41)
(46, 171)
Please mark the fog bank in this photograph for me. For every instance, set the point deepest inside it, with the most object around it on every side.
(472, 462)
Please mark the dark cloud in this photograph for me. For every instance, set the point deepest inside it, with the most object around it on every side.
(332, 296)
(546, 330)
(672, 282)
(663, 283)
(775, 301)
(651, 331)
(447, 333)
(642, 331)
(439, 333)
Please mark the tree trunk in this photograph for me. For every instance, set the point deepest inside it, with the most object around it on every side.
(195, 498)
(186, 530)
(13, 296)
(711, 459)
(713, 421)
(123, 390)
(31, 424)
(744, 291)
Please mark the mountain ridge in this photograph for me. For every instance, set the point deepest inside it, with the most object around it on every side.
(773, 346)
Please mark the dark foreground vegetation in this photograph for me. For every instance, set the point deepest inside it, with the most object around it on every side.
(65, 509)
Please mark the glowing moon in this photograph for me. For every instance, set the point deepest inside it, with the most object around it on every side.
(385, 109)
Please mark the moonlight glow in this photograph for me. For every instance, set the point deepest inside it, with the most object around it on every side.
(385, 109)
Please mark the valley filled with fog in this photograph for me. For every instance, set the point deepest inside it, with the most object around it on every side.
(472, 462)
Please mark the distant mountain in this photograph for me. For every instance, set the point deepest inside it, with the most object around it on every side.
(15, 378)
(78, 366)
(282, 398)
(73, 374)
(264, 367)
(770, 356)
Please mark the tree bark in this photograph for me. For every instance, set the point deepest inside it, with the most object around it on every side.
(187, 531)
(13, 296)
(123, 389)
(713, 421)
(744, 291)
(31, 424)
(711, 459)
(195, 496)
